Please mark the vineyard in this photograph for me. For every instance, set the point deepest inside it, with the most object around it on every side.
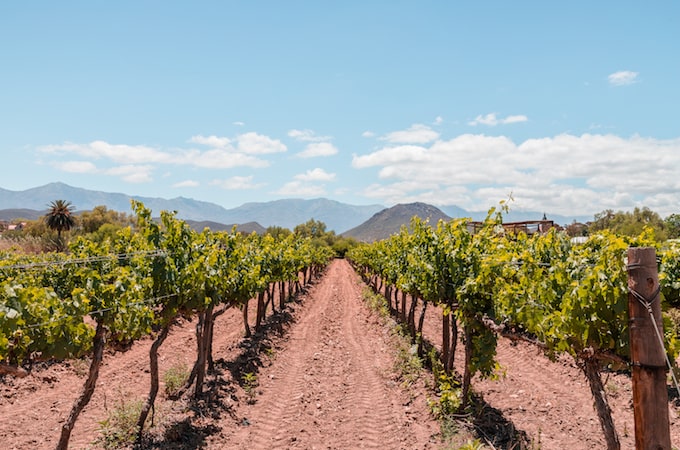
(316, 367)
(143, 281)
(563, 298)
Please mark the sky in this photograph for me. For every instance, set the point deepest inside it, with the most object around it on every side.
(564, 107)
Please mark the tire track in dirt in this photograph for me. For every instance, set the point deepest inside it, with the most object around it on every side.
(329, 387)
(278, 412)
(372, 415)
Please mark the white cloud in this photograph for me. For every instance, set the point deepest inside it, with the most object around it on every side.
(132, 173)
(221, 155)
(222, 159)
(491, 120)
(317, 174)
(319, 145)
(301, 189)
(515, 119)
(238, 124)
(318, 149)
(186, 183)
(237, 183)
(122, 154)
(307, 184)
(438, 120)
(212, 141)
(623, 78)
(368, 134)
(258, 144)
(307, 136)
(76, 167)
(564, 174)
(391, 155)
(416, 134)
(410, 192)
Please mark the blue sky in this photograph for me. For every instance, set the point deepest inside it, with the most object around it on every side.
(571, 108)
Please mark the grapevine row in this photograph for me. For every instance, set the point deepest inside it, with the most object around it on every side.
(64, 306)
(566, 297)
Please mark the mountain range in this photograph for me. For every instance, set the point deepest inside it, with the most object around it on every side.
(284, 213)
(287, 213)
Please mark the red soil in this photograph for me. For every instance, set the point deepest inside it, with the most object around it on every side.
(326, 378)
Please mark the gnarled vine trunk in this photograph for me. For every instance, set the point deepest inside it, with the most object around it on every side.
(590, 367)
(88, 387)
(153, 391)
(421, 321)
(467, 374)
(446, 340)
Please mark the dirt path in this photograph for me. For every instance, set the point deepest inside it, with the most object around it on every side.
(332, 384)
(327, 381)
(329, 384)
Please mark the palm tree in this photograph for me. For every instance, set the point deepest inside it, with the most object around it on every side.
(60, 217)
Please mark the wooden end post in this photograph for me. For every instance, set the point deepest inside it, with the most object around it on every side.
(650, 396)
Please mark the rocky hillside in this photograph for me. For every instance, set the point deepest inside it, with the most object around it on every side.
(390, 220)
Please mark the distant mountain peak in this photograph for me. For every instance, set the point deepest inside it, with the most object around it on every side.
(389, 221)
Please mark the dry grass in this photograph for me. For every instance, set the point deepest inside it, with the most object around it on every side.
(22, 244)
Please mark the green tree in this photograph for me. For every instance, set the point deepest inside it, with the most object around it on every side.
(341, 245)
(312, 228)
(102, 223)
(672, 224)
(60, 218)
(629, 223)
(315, 230)
(576, 229)
(92, 221)
(278, 232)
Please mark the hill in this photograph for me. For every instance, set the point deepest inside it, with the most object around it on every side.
(20, 213)
(38, 198)
(390, 220)
(285, 213)
(246, 228)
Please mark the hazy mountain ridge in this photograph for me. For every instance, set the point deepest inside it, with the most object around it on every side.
(290, 212)
(20, 213)
(84, 199)
(246, 228)
(285, 213)
(339, 217)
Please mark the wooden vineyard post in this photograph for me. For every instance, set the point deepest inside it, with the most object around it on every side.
(650, 397)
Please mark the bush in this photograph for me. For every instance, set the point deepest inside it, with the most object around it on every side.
(119, 429)
(174, 378)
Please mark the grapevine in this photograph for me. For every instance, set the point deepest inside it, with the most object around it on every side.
(569, 298)
(58, 306)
